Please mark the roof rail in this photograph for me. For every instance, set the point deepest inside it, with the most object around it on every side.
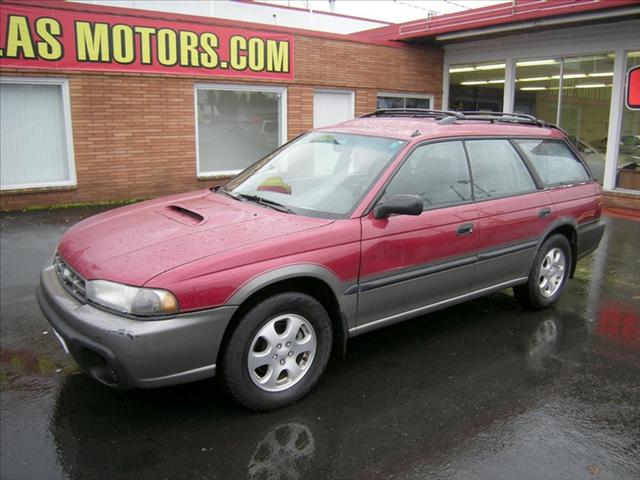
(447, 117)
(503, 117)
(413, 112)
(507, 117)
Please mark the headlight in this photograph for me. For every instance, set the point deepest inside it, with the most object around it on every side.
(132, 300)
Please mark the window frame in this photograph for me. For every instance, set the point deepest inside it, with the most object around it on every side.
(538, 186)
(282, 120)
(405, 95)
(63, 83)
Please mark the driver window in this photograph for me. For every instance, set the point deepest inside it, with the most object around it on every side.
(437, 172)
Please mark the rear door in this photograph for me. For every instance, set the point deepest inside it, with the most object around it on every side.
(411, 262)
(576, 197)
(513, 212)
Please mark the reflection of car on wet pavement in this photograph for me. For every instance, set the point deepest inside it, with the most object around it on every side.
(277, 453)
(344, 230)
(372, 435)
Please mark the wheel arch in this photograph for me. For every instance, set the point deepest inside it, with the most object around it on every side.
(566, 227)
(313, 280)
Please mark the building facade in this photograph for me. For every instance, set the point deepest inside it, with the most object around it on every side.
(565, 62)
(108, 104)
(75, 133)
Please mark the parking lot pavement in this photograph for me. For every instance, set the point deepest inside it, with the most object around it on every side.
(482, 390)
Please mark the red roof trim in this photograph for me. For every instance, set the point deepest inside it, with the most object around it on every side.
(501, 14)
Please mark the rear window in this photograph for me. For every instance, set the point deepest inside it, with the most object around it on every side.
(553, 161)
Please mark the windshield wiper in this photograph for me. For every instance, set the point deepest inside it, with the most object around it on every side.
(264, 201)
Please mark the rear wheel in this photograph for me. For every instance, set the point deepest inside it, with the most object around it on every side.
(548, 276)
(278, 351)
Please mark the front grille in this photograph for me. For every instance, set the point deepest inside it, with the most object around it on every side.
(72, 282)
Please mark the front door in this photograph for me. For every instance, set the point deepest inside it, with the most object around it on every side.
(412, 262)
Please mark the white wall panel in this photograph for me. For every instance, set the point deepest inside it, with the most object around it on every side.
(34, 148)
(331, 107)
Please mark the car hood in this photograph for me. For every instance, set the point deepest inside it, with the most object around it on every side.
(133, 244)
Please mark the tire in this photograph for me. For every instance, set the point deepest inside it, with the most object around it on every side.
(277, 352)
(548, 276)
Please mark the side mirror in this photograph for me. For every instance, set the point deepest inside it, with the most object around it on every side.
(399, 204)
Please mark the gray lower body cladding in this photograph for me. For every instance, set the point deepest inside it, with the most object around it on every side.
(589, 236)
(125, 353)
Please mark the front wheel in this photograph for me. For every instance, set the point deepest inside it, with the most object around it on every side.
(278, 351)
(548, 276)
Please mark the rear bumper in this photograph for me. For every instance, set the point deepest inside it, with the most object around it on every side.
(589, 236)
(125, 353)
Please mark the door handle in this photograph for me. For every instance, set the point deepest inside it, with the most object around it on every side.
(544, 212)
(465, 229)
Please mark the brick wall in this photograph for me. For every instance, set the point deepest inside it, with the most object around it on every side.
(134, 135)
(622, 200)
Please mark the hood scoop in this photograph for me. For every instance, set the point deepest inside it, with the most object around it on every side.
(182, 215)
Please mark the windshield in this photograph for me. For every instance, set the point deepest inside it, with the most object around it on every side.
(320, 174)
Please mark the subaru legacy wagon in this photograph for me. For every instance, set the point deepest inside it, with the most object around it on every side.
(341, 231)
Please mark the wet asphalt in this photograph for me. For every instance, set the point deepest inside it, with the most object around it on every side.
(483, 390)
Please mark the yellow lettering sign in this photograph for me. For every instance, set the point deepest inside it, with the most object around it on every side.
(277, 56)
(92, 42)
(19, 41)
(238, 52)
(49, 47)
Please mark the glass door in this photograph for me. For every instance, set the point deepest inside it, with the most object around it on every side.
(628, 171)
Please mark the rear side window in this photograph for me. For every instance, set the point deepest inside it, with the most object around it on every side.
(553, 161)
(437, 172)
(497, 169)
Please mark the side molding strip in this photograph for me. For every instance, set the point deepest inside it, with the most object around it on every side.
(398, 317)
(437, 268)
(422, 272)
(508, 250)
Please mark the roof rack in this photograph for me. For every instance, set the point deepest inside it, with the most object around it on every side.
(449, 116)
(504, 117)
(413, 112)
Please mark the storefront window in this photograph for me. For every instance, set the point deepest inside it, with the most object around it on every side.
(401, 100)
(35, 133)
(237, 126)
(585, 105)
(581, 109)
(477, 87)
(628, 176)
(536, 90)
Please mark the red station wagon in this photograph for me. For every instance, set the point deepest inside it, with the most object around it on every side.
(341, 231)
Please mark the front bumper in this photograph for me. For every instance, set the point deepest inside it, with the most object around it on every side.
(125, 353)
